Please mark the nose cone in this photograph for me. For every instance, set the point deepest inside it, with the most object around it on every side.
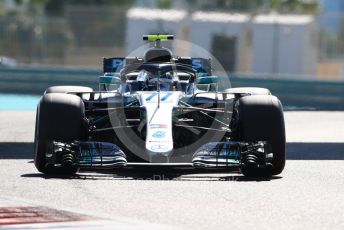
(159, 139)
(159, 157)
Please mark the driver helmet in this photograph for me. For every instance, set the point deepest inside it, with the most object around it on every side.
(165, 82)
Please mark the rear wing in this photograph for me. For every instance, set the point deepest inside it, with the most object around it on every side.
(201, 65)
(115, 64)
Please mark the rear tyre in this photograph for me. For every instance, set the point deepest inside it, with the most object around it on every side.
(249, 90)
(68, 89)
(59, 117)
(261, 119)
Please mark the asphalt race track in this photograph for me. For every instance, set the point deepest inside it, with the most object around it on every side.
(309, 194)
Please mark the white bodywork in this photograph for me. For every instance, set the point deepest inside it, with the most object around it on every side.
(159, 140)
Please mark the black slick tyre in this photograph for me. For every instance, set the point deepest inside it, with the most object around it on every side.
(261, 119)
(60, 117)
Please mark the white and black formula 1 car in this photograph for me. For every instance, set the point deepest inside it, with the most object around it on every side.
(159, 109)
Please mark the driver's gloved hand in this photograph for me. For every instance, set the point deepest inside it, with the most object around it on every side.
(142, 79)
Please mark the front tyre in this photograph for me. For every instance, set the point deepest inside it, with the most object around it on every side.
(261, 119)
(60, 117)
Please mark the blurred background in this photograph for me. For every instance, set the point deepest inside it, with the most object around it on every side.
(293, 47)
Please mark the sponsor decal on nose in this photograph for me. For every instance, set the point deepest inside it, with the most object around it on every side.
(159, 147)
(158, 126)
(159, 134)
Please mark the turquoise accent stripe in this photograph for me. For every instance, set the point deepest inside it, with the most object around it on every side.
(109, 80)
(151, 96)
(166, 96)
(207, 80)
(201, 75)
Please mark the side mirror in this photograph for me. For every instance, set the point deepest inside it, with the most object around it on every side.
(109, 81)
(207, 83)
(207, 80)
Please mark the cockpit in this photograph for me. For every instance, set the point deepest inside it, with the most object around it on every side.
(158, 69)
(146, 81)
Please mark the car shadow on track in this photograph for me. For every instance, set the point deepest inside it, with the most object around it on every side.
(295, 151)
(158, 174)
(16, 150)
(315, 151)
